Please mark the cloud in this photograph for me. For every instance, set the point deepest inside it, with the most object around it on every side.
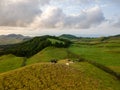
(19, 12)
(28, 13)
(48, 18)
(116, 23)
(78, 1)
(54, 17)
(115, 2)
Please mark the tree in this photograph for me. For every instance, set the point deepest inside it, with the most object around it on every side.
(54, 61)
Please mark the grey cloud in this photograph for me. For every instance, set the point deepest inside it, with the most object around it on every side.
(117, 23)
(86, 19)
(115, 1)
(55, 18)
(19, 12)
(48, 18)
(28, 13)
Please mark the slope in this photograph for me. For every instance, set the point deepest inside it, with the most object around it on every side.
(68, 36)
(33, 46)
(57, 77)
(10, 62)
(105, 53)
(12, 39)
(47, 54)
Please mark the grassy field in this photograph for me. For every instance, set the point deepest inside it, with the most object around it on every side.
(10, 62)
(106, 54)
(55, 41)
(109, 81)
(47, 54)
(77, 76)
(80, 76)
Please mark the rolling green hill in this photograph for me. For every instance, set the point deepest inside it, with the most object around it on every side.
(57, 77)
(10, 62)
(33, 46)
(105, 53)
(47, 76)
(68, 36)
(48, 54)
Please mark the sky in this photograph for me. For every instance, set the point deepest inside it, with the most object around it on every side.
(87, 18)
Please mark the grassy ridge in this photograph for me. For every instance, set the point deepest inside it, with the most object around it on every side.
(47, 54)
(33, 46)
(78, 76)
(55, 41)
(109, 81)
(54, 77)
(10, 62)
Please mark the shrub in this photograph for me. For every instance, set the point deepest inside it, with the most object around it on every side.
(54, 61)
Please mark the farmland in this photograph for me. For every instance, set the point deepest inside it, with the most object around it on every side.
(95, 64)
(104, 53)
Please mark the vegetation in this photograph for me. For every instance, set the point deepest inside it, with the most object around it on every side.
(10, 62)
(48, 54)
(54, 77)
(68, 36)
(108, 80)
(12, 39)
(33, 46)
(95, 65)
(105, 53)
(54, 61)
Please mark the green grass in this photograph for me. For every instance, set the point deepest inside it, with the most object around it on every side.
(41, 76)
(109, 81)
(55, 40)
(47, 54)
(57, 77)
(115, 68)
(10, 62)
(100, 53)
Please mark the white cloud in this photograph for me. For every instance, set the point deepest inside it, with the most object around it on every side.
(48, 18)
(54, 17)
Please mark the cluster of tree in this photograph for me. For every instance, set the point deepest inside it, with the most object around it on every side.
(33, 46)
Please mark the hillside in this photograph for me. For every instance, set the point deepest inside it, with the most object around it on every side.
(91, 40)
(33, 46)
(54, 77)
(12, 39)
(68, 36)
(105, 52)
(47, 54)
(10, 62)
(43, 75)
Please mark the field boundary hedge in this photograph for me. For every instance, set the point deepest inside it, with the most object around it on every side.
(100, 66)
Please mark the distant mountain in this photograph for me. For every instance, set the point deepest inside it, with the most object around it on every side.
(12, 39)
(111, 38)
(68, 36)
